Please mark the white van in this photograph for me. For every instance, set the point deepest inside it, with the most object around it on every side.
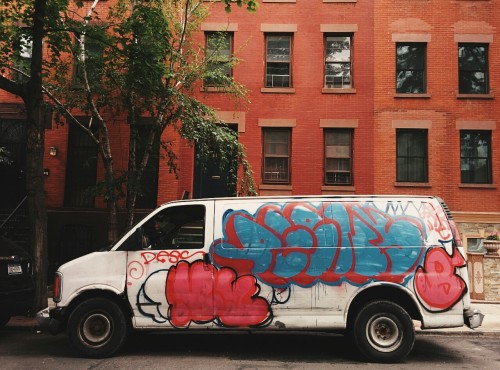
(366, 265)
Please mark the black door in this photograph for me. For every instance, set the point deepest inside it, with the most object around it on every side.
(13, 174)
(211, 181)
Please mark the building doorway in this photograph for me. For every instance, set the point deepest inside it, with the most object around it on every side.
(211, 181)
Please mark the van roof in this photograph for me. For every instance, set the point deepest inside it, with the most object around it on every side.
(298, 197)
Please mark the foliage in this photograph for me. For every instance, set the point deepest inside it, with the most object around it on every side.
(494, 236)
(252, 5)
(4, 156)
(136, 60)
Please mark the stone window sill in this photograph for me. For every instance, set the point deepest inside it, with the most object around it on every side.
(412, 96)
(338, 188)
(278, 90)
(338, 91)
(476, 96)
(477, 186)
(274, 187)
(413, 184)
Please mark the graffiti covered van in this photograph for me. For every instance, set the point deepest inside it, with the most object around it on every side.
(364, 265)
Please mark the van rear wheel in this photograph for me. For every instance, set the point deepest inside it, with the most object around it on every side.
(97, 328)
(384, 332)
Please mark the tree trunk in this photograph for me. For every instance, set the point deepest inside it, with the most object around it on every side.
(109, 178)
(37, 215)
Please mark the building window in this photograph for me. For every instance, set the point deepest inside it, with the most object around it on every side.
(81, 167)
(338, 61)
(276, 166)
(218, 54)
(475, 157)
(411, 156)
(278, 60)
(473, 69)
(91, 60)
(23, 45)
(410, 68)
(148, 185)
(338, 156)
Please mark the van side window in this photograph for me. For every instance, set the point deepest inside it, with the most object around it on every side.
(181, 227)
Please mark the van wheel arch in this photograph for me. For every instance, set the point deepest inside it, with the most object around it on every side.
(118, 299)
(381, 293)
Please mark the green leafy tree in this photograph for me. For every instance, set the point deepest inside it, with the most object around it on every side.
(137, 60)
(32, 14)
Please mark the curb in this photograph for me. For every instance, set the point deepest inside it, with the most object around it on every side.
(450, 333)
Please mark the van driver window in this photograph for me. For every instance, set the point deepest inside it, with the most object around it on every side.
(181, 227)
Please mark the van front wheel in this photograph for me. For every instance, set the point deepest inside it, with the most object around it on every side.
(384, 332)
(97, 328)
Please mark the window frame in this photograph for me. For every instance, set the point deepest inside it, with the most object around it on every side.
(267, 35)
(407, 158)
(94, 51)
(78, 183)
(23, 55)
(265, 170)
(326, 62)
(423, 69)
(333, 131)
(486, 88)
(488, 158)
(229, 67)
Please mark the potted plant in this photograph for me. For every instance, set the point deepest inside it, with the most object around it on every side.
(492, 244)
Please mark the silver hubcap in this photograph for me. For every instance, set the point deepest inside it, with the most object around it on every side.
(383, 333)
(96, 329)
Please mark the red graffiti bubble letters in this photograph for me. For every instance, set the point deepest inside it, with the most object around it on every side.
(436, 283)
(231, 301)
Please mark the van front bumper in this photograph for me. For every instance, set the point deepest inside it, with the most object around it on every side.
(473, 318)
(50, 320)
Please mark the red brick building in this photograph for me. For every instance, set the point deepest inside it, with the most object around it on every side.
(345, 97)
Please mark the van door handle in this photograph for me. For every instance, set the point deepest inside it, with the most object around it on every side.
(207, 261)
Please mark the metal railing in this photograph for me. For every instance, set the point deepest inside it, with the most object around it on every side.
(15, 222)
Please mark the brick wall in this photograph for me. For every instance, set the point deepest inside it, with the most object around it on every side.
(373, 105)
(443, 23)
(307, 105)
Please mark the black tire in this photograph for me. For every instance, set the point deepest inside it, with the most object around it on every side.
(4, 319)
(384, 332)
(97, 328)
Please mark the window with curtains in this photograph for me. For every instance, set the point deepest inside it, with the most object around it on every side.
(276, 158)
(475, 157)
(338, 156)
(411, 155)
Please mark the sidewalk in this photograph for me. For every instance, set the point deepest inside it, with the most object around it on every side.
(491, 322)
